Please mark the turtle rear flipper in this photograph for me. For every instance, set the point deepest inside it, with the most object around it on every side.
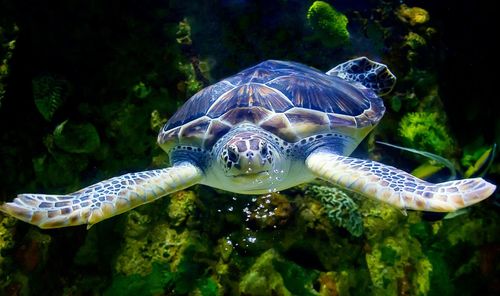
(372, 75)
(102, 200)
(395, 186)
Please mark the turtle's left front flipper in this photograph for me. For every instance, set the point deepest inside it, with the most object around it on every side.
(102, 200)
(395, 186)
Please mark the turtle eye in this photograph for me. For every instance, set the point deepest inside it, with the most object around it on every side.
(232, 155)
(264, 150)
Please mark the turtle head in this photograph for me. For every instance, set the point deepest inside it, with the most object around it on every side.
(246, 154)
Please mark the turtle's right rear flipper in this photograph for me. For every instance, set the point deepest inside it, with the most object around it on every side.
(372, 75)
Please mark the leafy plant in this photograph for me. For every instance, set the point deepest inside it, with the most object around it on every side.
(76, 138)
(425, 131)
(49, 94)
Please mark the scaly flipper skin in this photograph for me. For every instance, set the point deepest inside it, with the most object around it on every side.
(395, 186)
(102, 200)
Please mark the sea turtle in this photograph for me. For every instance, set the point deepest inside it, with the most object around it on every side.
(267, 128)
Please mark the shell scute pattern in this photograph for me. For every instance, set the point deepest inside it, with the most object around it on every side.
(288, 99)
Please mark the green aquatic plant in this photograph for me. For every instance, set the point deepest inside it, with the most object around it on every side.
(329, 25)
(8, 37)
(76, 138)
(49, 93)
(183, 34)
(427, 169)
(414, 41)
(478, 161)
(339, 207)
(192, 85)
(474, 162)
(425, 131)
(141, 90)
(154, 283)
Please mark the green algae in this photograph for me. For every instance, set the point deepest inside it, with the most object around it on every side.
(329, 25)
(76, 138)
(425, 131)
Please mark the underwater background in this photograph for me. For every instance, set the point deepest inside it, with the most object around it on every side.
(86, 85)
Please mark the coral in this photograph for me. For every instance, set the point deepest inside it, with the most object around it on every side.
(270, 274)
(182, 207)
(329, 25)
(262, 279)
(137, 224)
(161, 245)
(394, 257)
(6, 242)
(426, 131)
(412, 15)
(170, 242)
(312, 216)
(339, 207)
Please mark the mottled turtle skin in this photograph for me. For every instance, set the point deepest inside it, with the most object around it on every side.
(265, 129)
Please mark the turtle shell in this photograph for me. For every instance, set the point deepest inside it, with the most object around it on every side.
(291, 100)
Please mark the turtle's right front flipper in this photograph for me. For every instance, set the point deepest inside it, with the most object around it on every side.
(102, 200)
(395, 186)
